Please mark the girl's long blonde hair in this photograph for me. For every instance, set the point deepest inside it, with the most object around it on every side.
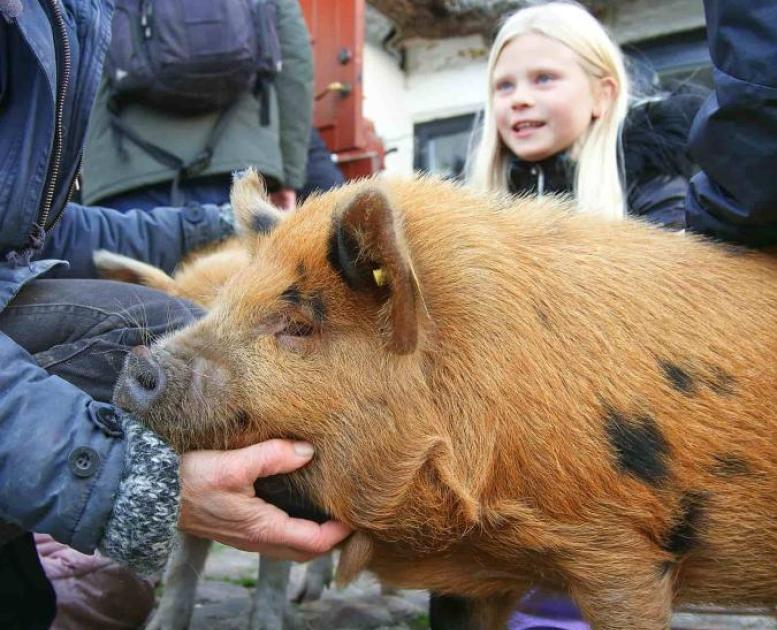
(597, 182)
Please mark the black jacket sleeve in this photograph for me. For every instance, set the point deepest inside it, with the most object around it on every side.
(734, 136)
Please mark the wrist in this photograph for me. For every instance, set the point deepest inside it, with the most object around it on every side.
(141, 529)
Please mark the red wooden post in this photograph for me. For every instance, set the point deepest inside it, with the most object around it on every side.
(337, 32)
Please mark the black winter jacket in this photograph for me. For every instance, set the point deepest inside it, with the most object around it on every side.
(734, 138)
(656, 164)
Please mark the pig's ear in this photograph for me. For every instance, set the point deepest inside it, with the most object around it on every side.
(112, 266)
(369, 251)
(254, 214)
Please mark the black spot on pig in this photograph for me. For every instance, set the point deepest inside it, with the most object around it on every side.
(263, 223)
(292, 295)
(318, 307)
(640, 448)
(542, 315)
(678, 378)
(730, 465)
(278, 490)
(684, 534)
(721, 382)
(241, 420)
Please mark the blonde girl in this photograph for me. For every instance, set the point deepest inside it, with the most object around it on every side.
(556, 83)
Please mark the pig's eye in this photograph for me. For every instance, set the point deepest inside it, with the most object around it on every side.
(296, 336)
(298, 329)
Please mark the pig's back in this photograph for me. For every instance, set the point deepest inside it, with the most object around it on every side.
(585, 338)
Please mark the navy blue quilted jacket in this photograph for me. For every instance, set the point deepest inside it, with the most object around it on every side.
(734, 137)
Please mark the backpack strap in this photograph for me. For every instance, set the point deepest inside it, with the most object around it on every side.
(262, 93)
(183, 170)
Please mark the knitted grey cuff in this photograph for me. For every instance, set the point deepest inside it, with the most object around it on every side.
(141, 529)
(226, 221)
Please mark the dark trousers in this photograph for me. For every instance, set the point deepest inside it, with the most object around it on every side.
(79, 330)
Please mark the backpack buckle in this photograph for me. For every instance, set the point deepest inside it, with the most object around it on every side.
(198, 164)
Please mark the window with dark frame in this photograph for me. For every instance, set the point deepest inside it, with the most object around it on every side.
(672, 59)
(440, 146)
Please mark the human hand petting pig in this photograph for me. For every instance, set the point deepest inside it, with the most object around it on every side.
(218, 502)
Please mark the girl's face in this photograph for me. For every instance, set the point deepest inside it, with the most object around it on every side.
(543, 100)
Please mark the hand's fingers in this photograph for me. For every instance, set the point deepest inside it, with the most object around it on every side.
(268, 458)
(276, 552)
(270, 530)
(304, 536)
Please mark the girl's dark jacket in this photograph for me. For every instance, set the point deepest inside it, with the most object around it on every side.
(656, 164)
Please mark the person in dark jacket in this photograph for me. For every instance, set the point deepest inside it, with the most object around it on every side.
(734, 137)
(71, 464)
(321, 172)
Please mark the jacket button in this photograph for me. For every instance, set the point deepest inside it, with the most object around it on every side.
(109, 422)
(195, 213)
(83, 461)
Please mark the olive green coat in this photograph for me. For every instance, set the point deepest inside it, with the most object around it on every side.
(278, 150)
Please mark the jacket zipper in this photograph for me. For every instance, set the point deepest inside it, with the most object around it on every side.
(62, 88)
(74, 186)
(539, 174)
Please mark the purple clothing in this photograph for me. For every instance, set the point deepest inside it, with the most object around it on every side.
(93, 591)
(541, 610)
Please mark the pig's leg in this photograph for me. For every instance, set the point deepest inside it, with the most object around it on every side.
(451, 612)
(183, 570)
(318, 575)
(640, 599)
(269, 602)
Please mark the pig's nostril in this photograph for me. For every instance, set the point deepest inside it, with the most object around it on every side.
(142, 382)
(147, 379)
(146, 374)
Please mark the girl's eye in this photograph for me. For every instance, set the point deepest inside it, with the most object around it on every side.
(298, 329)
(544, 77)
(503, 86)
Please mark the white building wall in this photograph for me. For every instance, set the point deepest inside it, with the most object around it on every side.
(443, 79)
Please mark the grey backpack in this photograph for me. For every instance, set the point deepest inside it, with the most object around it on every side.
(190, 56)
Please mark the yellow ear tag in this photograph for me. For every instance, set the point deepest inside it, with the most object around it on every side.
(381, 279)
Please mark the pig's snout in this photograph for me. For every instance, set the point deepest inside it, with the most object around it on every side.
(142, 382)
